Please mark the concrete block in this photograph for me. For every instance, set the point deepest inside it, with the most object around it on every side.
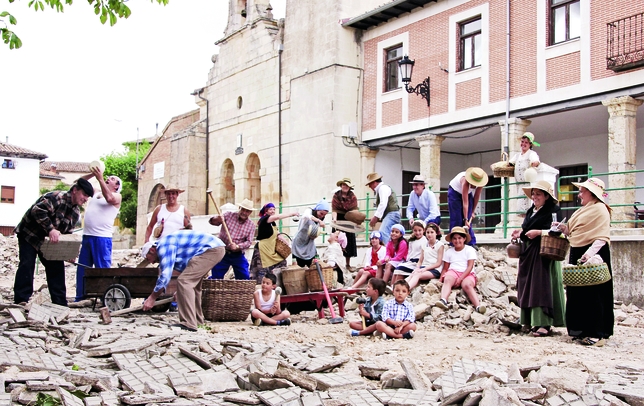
(338, 381)
(68, 399)
(188, 386)
(360, 397)
(273, 383)
(311, 399)
(157, 388)
(415, 375)
(528, 391)
(559, 380)
(296, 376)
(325, 363)
(279, 397)
(371, 371)
(196, 357)
(218, 382)
(17, 315)
(244, 398)
(143, 399)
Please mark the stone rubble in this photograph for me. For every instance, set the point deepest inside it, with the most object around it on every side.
(140, 359)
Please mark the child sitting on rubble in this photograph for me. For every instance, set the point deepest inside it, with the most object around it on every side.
(396, 252)
(373, 260)
(267, 309)
(371, 309)
(333, 254)
(398, 317)
(430, 263)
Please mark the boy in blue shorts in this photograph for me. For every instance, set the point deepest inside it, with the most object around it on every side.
(371, 310)
(398, 314)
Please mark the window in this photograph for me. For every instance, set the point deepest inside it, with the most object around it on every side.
(565, 20)
(8, 164)
(470, 44)
(7, 194)
(392, 73)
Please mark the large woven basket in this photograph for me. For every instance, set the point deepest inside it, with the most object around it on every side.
(313, 279)
(282, 245)
(555, 248)
(355, 216)
(227, 299)
(294, 280)
(585, 274)
(502, 169)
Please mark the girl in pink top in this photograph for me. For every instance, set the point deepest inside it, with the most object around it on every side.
(396, 252)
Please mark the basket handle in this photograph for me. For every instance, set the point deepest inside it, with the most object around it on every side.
(504, 156)
(287, 236)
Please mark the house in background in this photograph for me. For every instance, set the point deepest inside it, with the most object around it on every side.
(19, 186)
(66, 172)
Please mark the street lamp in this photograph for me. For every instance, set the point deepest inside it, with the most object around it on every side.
(406, 66)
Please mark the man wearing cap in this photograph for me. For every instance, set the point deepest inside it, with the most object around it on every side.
(242, 234)
(387, 209)
(168, 217)
(191, 253)
(53, 214)
(424, 202)
(96, 249)
(463, 195)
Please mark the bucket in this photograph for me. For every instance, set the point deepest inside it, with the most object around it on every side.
(294, 280)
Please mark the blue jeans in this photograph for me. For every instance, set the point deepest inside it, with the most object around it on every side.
(235, 259)
(23, 286)
(390, 219)
(455, 206)
(95, 252)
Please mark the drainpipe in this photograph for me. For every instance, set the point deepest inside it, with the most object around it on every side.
(198, 94)
(279, 117)
(507, 78)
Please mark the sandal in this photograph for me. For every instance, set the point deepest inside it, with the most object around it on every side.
(541, 332)
(595, 342)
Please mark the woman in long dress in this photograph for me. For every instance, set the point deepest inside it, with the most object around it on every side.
(589, 309)
(539, 284)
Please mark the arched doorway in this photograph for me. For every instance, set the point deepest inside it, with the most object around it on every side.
(157, 197)
(227, 192)
(253, 190)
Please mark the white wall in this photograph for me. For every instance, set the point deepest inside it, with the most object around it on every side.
(25, 179)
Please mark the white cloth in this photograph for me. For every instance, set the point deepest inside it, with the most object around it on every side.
(173, 220)
(458, 259)
(430, 254)
(455, 183)
(522, 162)
(384, 192)
(332, 255)
(268, 304)
(414, 249)
(99, 217)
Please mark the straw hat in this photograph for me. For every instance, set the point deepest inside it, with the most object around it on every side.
(246, 204)
(347, 226)
(346, 181)
(173, 189)
(418, 179)
(541, 185)
(476, 176)
(530, 138)
(595, 186)
(458, 230)
(372, 177)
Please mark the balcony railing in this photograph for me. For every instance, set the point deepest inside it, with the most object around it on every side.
(625, 43)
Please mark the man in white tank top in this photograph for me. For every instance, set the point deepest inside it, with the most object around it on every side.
(96, 249)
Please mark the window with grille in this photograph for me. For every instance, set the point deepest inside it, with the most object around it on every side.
(565, 20)
(7, 194)
(470, 43)
(392, 73)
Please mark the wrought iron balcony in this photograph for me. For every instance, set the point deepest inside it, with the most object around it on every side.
(625, 43)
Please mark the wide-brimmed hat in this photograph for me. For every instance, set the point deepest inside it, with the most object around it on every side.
(173, 189)
(372, 177)
(541, 185)
(418, 179)
(246, 204)
(345, 181)
(530, 138)
(594, 186)
(476, 176)
(458, 230)
(347, 226)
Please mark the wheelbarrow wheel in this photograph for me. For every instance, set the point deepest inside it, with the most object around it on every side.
(117, 297)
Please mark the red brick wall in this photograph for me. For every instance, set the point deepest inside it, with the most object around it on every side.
(369, 88)
(523, 52)
(468, 94)
(392, 112)
(562, 71)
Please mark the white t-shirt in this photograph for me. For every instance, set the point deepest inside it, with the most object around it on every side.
(381, 254)
(430, 254)
(458, 259)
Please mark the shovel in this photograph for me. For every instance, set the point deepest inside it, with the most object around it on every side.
(334, 319)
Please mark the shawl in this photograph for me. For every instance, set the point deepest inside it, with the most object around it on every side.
(591, 222)
(342, 204)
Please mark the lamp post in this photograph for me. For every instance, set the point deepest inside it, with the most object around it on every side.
(406, 66)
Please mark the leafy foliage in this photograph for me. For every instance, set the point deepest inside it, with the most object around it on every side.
(47, 400)
(123, 165)
(59, 186)
(106, 10)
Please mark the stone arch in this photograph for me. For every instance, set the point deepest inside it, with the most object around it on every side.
(253, 186)
(227, 192)
(157, 197)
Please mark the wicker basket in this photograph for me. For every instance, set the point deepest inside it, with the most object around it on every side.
(294, 280)
(585, 274)
(227, 299)
(502, 169)
(282, 245)
(355, 216)
(313, 279)
(555, 248)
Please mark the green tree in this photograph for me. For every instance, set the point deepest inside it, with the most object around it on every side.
(123, 165)
(106, 10)
(59, 186)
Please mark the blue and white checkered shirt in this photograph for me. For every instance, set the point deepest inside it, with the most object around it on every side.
(398, 311)
(177, 249)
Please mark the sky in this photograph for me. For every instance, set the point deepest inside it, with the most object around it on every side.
(77, 89)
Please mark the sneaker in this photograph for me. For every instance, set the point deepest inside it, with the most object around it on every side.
(481, 309)
(385, 337)
(354, 333)
(257, 322)
(173, 307)
(409, 335)
(442, 304)
(285, 322)
(184, 327)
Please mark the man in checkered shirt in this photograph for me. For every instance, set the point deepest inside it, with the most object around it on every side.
(193, 254)
(242, 232)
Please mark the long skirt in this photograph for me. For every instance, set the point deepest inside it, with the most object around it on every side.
(351, 250)
(589, 309)
(257, 271)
